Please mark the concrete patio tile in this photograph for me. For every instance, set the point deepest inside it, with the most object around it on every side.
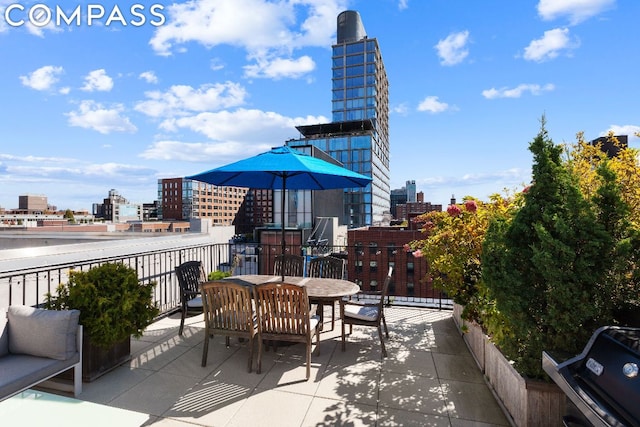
(111, 385)
(354, 353)
(409, 361)
(210, 403)
(457, 422)
(157, 355)
(412, 393)
(272, 408)
(461, 367)
(448, 343)
(290, 375)
(168, 422)
(189, 364)
(234, 369)
(392, 417)
(357, 383)
(155, 394)
(328, 412)
(472, 401)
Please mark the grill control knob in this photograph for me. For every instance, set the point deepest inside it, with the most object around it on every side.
(630, 370)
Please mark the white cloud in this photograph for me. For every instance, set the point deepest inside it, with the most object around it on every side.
(453, 49)
(403, 4)
(576, 10)
(97, 80)
(181, 99)
(92, 115)
(266, 30)
(401, 109)
(219, 152)
(230, 126)
(517, 92)
(280, 67)
(149, 77)
(251, 24)
(44, 78)
(550, 45)
(629, 130)
(431, 105)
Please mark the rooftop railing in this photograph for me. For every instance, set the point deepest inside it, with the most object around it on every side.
(27, 275)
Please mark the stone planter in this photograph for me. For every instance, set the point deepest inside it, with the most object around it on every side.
(530, 403)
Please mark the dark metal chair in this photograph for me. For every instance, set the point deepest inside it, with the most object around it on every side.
(228, 311)
(190, 276)
(327, 267)
(289, 265)
(367, 314)
(283, 315)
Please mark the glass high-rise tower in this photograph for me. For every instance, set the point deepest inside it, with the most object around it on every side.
(358, 136)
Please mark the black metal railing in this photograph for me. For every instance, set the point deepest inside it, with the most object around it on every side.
(28, 286)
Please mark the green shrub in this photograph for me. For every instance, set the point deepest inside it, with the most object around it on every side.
(113, 304)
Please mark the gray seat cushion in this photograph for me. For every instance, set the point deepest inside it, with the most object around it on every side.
(43, 333)
(18, 371)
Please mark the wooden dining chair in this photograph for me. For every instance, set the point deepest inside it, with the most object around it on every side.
(228, 311)
(190, 275)
(289, 265)
(361, 313)
(326, 267)
(283, 315)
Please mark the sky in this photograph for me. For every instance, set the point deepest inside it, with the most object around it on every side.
(108, 95)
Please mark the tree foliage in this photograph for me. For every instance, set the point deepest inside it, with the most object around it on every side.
(550, 266)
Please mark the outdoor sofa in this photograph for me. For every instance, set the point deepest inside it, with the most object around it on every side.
(37, 344)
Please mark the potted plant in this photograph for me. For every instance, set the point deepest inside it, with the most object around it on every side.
(113, 306)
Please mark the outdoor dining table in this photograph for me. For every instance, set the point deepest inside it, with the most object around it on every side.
(322, 289)
(317, 287)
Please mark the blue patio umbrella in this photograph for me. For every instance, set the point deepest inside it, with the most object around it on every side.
(283, 168)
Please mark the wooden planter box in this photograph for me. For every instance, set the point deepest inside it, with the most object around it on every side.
(529, 403)
(97, 361)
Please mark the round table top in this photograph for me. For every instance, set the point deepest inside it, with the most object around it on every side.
(317, 287)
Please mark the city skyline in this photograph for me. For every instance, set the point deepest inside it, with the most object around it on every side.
(89, 108)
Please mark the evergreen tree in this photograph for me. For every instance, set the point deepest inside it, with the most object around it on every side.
(544, 266)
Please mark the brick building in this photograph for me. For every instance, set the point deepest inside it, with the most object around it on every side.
(372, 250)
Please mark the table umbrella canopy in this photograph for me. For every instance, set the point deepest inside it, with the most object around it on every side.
(283, 168)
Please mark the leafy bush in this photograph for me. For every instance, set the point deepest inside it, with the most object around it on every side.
(113, 304)
(217, 275)
(543, 269)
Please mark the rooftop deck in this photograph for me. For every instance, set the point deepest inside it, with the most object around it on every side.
(429, 379)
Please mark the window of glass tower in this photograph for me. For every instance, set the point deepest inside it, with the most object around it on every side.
(338, 61)
(355, 48)
(338, 94)
(338, 50)
(338, 83)
(355, 60)
(353, 71)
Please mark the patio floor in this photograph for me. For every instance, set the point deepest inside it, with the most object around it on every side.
(429, 379)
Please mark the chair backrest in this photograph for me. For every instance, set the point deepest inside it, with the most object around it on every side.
(227, 307)
(326, 266)
(289, 265)
(385, 290)
(283, 311)
(190, 275)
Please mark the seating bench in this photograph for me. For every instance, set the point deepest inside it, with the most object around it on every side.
(36, 345)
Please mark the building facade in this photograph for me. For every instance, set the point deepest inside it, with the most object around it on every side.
(372, 250)
(358, 136)
(182, 199)
(117, 209)
(33, 203)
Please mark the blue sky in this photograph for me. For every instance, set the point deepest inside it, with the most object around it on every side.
(118, 101)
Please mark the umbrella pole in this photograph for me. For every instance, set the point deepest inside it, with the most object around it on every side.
(282, 204)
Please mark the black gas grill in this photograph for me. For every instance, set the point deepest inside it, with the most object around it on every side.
(603, 382)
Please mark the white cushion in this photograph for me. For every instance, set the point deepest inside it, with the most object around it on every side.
(195, 302)
(313, 322)
(43, 333)
(363, 312)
